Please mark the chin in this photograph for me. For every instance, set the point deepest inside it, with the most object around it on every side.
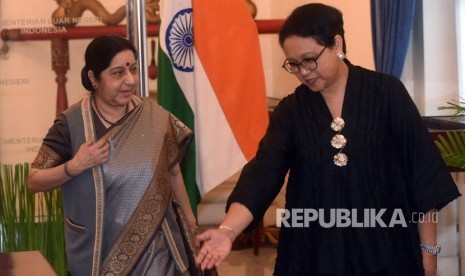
(317, 85)
(123, 100)
(126, 96)
(313, 88)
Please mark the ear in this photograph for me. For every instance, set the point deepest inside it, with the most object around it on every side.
(91, 76)
(338, 43)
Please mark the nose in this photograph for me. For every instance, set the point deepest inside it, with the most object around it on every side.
(303, 71)
(131, 78)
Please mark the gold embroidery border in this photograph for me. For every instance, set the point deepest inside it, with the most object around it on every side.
(46, 158)
(172, 245)
(143, 223)
(140, 228)
(98, 185)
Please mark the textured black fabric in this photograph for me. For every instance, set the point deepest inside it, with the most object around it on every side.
(393, 164)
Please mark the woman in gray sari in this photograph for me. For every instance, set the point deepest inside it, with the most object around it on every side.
(115, 158)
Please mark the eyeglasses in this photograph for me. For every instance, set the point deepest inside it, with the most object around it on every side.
(308, 64)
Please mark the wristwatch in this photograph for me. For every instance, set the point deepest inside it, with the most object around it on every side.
(435, 250)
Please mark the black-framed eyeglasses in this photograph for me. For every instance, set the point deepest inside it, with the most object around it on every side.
(308, 64)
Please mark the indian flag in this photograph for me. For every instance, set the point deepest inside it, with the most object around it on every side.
(211, 78)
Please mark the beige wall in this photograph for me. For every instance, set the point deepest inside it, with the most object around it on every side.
(357, 25)
(27, 82)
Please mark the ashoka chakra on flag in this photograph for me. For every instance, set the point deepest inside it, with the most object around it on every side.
(180, 41)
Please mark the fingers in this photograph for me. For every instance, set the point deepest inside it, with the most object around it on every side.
(105, 153)
(208, 258)
(215, 248)
(101, 148)
(105, 149)
(102, 141)
(92, 154)
(102, 144)
(203, 256)
(214, 261)
(209, 261)
(89, 142)
(219, 261)
(203, 237)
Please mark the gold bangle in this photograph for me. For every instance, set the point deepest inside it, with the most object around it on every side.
(228, 228)
(67, 171)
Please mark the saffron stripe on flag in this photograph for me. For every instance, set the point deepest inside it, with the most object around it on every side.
(229, 118)
(227, 43)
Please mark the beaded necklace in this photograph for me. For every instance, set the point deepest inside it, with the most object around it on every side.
(119, 122)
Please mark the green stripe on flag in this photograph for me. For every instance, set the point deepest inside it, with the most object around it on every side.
(171, 97)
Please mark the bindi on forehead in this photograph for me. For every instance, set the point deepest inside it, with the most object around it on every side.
(127, 64)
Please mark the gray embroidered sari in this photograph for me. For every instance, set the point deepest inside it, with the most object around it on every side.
(120, 216)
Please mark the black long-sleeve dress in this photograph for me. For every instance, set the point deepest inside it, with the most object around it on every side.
(393, 165)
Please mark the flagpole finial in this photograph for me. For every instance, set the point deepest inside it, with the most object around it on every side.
(252, 7)
(152, 11)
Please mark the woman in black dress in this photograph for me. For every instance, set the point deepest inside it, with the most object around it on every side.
(365, 178)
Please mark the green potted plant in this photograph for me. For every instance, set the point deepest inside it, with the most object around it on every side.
(451, 144)
(30, 222)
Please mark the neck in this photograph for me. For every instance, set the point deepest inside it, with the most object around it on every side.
(334, 95)
(110, 115)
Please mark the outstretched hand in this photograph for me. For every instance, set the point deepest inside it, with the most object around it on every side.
(216, 247)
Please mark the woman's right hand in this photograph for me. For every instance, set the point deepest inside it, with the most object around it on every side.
(89, 155)
(217, 244)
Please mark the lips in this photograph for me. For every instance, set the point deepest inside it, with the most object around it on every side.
(311, 81)
(126, 91)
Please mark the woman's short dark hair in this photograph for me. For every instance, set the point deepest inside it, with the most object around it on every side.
(99, 54)
(315, 20)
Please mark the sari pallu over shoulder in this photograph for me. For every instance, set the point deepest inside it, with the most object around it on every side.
(138, 172)
(122, 203)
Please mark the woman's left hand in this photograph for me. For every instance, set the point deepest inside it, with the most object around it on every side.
(430, 263)
(216, 247)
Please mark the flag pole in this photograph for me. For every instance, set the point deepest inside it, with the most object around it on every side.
(137, 34)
